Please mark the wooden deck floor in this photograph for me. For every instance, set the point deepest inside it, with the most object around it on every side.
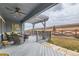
(32, 48)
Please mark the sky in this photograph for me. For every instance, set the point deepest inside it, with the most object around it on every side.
(60, 14)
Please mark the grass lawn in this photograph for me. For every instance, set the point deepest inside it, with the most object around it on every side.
(66, 42)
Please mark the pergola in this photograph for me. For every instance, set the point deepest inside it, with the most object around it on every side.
(38, 19)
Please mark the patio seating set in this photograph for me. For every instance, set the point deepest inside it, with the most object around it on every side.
(12, 39)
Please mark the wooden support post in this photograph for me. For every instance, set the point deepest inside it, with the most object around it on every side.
(50, 35)
(54, 30)
(44, 24)
(36, 36)
(33, 29)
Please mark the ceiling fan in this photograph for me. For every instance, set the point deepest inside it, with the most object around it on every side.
(16, 10)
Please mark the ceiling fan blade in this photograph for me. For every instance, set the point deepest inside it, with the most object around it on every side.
(8, 9)
(22, 13)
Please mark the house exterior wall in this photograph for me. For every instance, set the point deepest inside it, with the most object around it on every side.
(7, 27)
